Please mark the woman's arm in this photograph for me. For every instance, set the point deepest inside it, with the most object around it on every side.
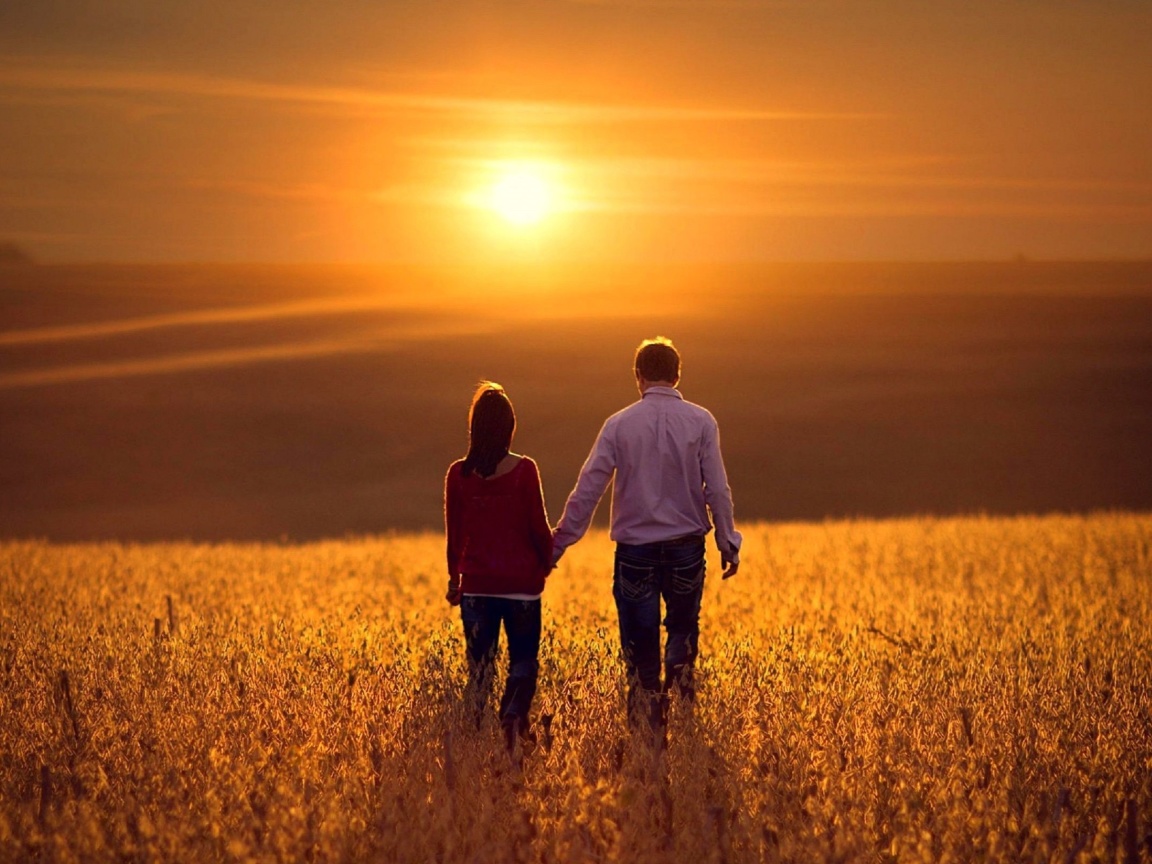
(453, 531)
(538, 527)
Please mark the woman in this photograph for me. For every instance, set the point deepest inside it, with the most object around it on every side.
(499, 553)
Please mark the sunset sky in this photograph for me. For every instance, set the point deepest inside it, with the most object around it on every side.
(299, 130)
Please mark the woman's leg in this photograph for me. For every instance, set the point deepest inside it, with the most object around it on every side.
(522, 624)
(481, 636)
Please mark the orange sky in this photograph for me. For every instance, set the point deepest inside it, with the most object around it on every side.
(709, 130)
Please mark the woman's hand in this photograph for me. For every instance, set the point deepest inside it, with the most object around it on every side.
(455, 594)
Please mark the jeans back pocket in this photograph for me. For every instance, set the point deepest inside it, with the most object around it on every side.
(687, 578)
(636, 581)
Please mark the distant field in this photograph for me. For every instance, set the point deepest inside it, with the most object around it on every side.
(901, 691)
(238, 402)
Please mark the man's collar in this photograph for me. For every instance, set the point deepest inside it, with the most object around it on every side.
(661, 390)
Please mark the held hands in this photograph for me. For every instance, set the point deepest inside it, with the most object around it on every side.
(455, 593)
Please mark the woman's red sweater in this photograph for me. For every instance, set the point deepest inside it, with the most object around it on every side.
(499, 540)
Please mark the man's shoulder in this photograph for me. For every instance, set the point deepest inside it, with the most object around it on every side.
(698, 411)
(623, 414)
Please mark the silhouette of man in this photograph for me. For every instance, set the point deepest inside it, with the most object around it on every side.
(664, 453)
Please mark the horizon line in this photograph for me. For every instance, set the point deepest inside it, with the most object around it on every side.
(487, 263)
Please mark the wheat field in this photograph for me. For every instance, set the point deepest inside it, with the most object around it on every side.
(972, 689)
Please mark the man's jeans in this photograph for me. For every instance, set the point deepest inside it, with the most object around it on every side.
(674, 571)
(482, 617)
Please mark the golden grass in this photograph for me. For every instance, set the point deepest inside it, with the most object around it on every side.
(919, 690)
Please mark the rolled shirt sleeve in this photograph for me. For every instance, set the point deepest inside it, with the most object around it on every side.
(718, 495)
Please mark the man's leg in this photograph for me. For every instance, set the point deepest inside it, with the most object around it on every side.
(481, 635)
(635, 588)
(522, 624)
(682, 585)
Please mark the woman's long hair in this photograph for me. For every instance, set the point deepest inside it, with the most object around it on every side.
(491, 422)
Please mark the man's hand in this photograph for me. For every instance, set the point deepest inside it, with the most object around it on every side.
(557, 554)
(455, 594)
(731, 562)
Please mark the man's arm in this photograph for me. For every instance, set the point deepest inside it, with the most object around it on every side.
(718, 497)
(589, 489)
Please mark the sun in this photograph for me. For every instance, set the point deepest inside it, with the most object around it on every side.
(521, 194)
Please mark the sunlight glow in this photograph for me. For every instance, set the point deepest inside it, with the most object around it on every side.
(521, 194)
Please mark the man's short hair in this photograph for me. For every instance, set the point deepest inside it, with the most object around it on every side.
(658, 360)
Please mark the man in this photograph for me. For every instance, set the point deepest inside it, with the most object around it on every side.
(665, 455)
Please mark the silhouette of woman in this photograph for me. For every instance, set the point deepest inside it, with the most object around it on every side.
(499, 554)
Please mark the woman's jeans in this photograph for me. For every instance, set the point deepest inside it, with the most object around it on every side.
(482, 617)
(672, 570)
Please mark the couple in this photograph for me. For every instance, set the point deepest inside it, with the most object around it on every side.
(664, 454)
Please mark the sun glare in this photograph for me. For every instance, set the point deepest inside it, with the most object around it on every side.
(521, 194)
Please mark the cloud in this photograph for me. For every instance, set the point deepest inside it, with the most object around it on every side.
(187, 362)
(73, 78)
(381, 339)
(914, 185)
(701, 5)
(929, 186)
(231, 315)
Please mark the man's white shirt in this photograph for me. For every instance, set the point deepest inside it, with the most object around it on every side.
(665, 454)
